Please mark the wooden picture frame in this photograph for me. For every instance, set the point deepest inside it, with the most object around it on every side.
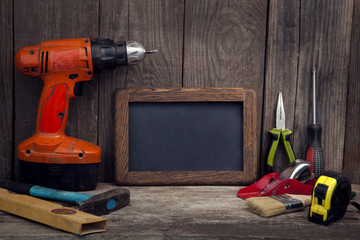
(124, 96)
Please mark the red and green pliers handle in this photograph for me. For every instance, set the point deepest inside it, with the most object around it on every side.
(276, 136)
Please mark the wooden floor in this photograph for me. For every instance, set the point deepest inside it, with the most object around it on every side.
(200, 212)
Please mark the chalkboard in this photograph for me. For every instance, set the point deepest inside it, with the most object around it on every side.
(200, 136)
(185, 136)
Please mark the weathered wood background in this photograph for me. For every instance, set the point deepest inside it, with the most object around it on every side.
(268, 45)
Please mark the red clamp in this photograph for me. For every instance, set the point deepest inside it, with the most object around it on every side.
(272, 184)
(276, 184)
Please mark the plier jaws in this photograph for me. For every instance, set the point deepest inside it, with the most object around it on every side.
(280, 113)
(280, 133)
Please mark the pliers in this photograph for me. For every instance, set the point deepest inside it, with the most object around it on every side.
(277, 134)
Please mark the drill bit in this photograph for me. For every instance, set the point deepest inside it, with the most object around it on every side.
(151, 51)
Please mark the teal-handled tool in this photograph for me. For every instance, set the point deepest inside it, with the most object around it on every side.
(99, 204)
(277, 134)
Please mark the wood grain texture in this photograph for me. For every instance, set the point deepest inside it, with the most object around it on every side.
(281, 73)
(352, 133)
(6, 89)
(114, 25)
(224, 43)
(125, 177)
(42, 211)
(187, 94)
(192, 212)
(224, 46)
(325, 33)
(121, 116)
(47, 20)
(157, 25)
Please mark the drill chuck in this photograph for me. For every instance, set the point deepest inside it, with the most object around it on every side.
(106, 54)
(135, 52)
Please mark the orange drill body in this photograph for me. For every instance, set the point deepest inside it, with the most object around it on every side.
(60, 64)
(50, 158)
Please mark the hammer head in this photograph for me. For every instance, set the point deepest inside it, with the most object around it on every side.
(106, 202)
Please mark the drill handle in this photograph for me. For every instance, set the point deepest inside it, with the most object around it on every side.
(54, 105)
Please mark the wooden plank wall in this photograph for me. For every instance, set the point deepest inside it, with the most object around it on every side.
(270, 46)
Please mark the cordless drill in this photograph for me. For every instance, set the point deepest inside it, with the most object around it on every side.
(50, 158)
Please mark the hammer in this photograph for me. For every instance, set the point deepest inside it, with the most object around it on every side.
(99, 204)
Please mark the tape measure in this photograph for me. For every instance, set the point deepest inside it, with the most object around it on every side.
(330, 198)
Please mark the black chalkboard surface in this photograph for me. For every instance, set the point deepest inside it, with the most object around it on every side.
(185, 136)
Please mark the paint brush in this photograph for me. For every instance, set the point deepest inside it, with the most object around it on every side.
(278, 204)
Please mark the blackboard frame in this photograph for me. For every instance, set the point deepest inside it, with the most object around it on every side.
(124, 96)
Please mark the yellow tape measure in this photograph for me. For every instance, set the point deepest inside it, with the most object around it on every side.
(330, 198)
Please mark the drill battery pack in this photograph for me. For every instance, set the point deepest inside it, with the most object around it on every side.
(70, 177)
(330, 198)
(59, 162)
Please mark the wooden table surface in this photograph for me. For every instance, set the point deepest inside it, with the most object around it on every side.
(192, 212)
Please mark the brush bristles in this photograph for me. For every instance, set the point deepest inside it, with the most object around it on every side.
(276, 205)
(265, 206)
